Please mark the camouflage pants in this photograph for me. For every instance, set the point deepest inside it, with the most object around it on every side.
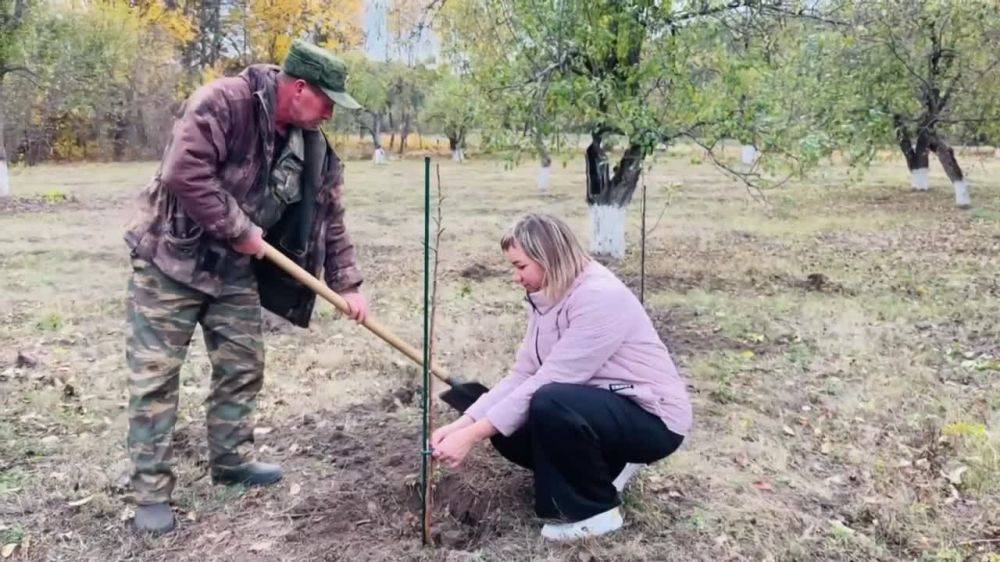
(162, 315)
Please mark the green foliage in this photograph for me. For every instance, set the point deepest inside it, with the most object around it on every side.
(454, 106)
(51, 322)
(55, 196)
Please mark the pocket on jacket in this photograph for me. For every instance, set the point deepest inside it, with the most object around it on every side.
(183, 246)
(286, 181)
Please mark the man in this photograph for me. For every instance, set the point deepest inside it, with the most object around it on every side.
(246, 160)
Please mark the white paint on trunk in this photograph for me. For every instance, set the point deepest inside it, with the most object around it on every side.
(962, 197)
(457, 155)
(544, 178)
(749, 154)
(920, 180)
(607, 230)
(4, 180)
(379, 158)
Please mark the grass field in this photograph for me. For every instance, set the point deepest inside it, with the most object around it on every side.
(841, 342)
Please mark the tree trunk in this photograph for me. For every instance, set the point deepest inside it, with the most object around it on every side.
(378, 157)
(946, 155)
(544, 163)
(544, 173)
(916, 154)
(404, 133)
(392, 128)
(455, 144)
(608, 197)
(4, 173)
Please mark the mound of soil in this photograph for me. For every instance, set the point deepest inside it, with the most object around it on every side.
(372, 490)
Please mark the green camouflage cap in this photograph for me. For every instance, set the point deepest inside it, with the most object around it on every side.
(320, 68)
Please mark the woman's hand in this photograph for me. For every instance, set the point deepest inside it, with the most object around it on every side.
(453, 447)
(444, 431)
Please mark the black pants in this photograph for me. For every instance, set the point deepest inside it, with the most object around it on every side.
(577, 439)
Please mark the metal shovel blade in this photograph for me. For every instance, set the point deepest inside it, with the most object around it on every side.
(461, 395)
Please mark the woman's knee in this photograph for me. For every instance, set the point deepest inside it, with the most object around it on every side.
(548, 398)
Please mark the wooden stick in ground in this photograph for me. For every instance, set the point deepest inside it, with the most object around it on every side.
(439, 230)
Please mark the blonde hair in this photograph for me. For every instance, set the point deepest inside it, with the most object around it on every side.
(550, 242)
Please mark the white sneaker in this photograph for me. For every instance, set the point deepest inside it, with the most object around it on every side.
(595, 526)
(626, 474)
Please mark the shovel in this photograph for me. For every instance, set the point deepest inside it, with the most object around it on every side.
(460, 396)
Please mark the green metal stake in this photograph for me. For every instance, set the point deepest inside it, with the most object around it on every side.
(425, 449)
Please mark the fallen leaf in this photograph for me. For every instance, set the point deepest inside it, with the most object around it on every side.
(296, 488)
(788, 430)
(762, 485)
(260, 431)
(955, 476)
(50, 440)
(8, 549)
(261, 546)
(82, 501)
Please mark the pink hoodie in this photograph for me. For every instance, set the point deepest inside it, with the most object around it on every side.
(597, 335)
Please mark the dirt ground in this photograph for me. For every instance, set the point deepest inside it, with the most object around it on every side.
(840, 340)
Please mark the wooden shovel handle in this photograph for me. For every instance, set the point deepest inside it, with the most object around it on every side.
(321, 289)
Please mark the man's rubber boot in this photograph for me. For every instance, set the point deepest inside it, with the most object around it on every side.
(248, 474)
(156, 518)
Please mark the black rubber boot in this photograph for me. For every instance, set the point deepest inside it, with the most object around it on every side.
(249, 474)
(155, 519)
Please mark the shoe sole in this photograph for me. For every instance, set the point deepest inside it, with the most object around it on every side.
(246, 481)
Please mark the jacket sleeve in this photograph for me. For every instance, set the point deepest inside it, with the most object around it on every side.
(340, 267)
(597, 328)
(191, 163)
(524, 367)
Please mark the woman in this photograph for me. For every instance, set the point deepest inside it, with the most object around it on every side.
(593, 393)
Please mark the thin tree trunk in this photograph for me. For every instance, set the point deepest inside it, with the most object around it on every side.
(544, 164)
(916, 154)
(404, 133)
(946, 155)
(378, 156)
(4, 173)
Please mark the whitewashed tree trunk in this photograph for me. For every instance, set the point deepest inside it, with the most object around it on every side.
(4, 180)
(919, 179)
(962, 197)
(544, 177)
(379, 158)
(607, 234)
(4, 172)
(749, 154)
(457, 155)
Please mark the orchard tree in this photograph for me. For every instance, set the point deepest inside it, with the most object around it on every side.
(14, 28)
(622, 71)
(369, 82)
(901, 75)
(453, 108)
(921, 74)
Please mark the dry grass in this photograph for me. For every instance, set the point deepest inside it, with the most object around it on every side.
(850, 415)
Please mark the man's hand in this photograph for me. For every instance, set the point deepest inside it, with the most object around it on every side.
(357, 303)
(251, 242)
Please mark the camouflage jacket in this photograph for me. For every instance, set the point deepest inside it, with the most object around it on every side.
(218, 175)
